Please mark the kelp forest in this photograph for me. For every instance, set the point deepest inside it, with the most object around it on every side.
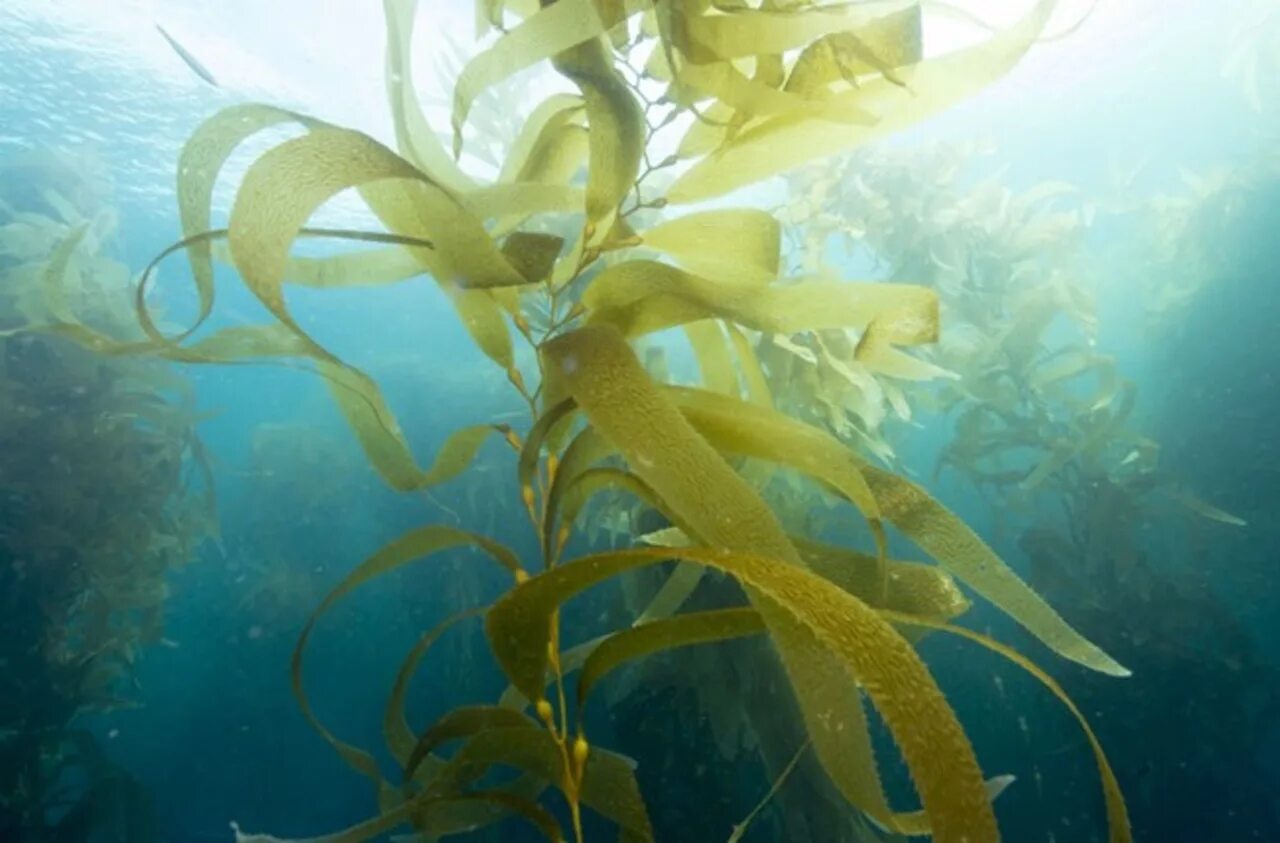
(673, 421)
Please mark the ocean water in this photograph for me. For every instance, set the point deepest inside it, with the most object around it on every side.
(168, 527)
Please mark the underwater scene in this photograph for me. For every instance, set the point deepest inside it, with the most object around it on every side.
(820, 421)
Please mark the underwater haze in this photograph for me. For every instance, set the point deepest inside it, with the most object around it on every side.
(676, 420)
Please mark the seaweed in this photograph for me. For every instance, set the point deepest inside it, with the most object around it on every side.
(822, 80)
(107, 490)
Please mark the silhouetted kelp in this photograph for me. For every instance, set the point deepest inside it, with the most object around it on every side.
(751, 92)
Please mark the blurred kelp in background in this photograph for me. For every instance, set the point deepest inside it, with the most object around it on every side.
(105, 490)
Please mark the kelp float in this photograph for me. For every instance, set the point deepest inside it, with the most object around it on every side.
(744, 92)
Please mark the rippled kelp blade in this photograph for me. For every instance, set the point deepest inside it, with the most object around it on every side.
(663, 449)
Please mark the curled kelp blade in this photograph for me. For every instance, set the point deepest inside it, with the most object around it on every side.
(608, 783)
(912, 587)
(285, 186)
(281, 190)
(746, 429)
(355, 393)
(553, 30)
(374, 267)
(457, 724)
(661, 635)
(796, 603)
(640, 296)
(945, 537)
(663, 449)
(415, 138)
(1117, 815)
(552, 144)
(400, 739)
(199, 165)
(793, 135)
(414, 545)
(742, 428)
(755, 237)
(617, 132)
(711, 351)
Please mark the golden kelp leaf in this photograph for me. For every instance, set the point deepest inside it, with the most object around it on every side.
(408, 548)
(608, 784)
(325, 272)
(552, 30)
(243, 342)
(199, 164)
(737, 427)
(371, 268)
(712, 352)
(805, 608)
(414, 137)
(1117, 814)
(701, 243)
(402, 743)
(640, 297)
(724, 83)
(706, 134)
(752, 375)
(568, 497)
(510, 203)
(288, 183)
(365, 410)
(356, 394)
(583, 486)
(876, 352)
(285, 186)
(616, 129)
(913, 588)
(880, 46)
(958, 549)
(829, 641)
(640, 420)
(532, 254)
(661, 635)
(383, 266)
(782, 142)
(554, 416)
(551, 146)
(752, 32)
(460, 723)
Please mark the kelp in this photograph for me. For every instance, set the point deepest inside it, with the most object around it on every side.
(107, 492)
(565, 253)
(1035, 401)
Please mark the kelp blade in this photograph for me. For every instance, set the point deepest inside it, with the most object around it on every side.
(662, 448)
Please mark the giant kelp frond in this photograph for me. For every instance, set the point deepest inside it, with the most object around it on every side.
(566, 243)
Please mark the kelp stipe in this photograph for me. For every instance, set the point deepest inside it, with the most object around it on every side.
(746, 94)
